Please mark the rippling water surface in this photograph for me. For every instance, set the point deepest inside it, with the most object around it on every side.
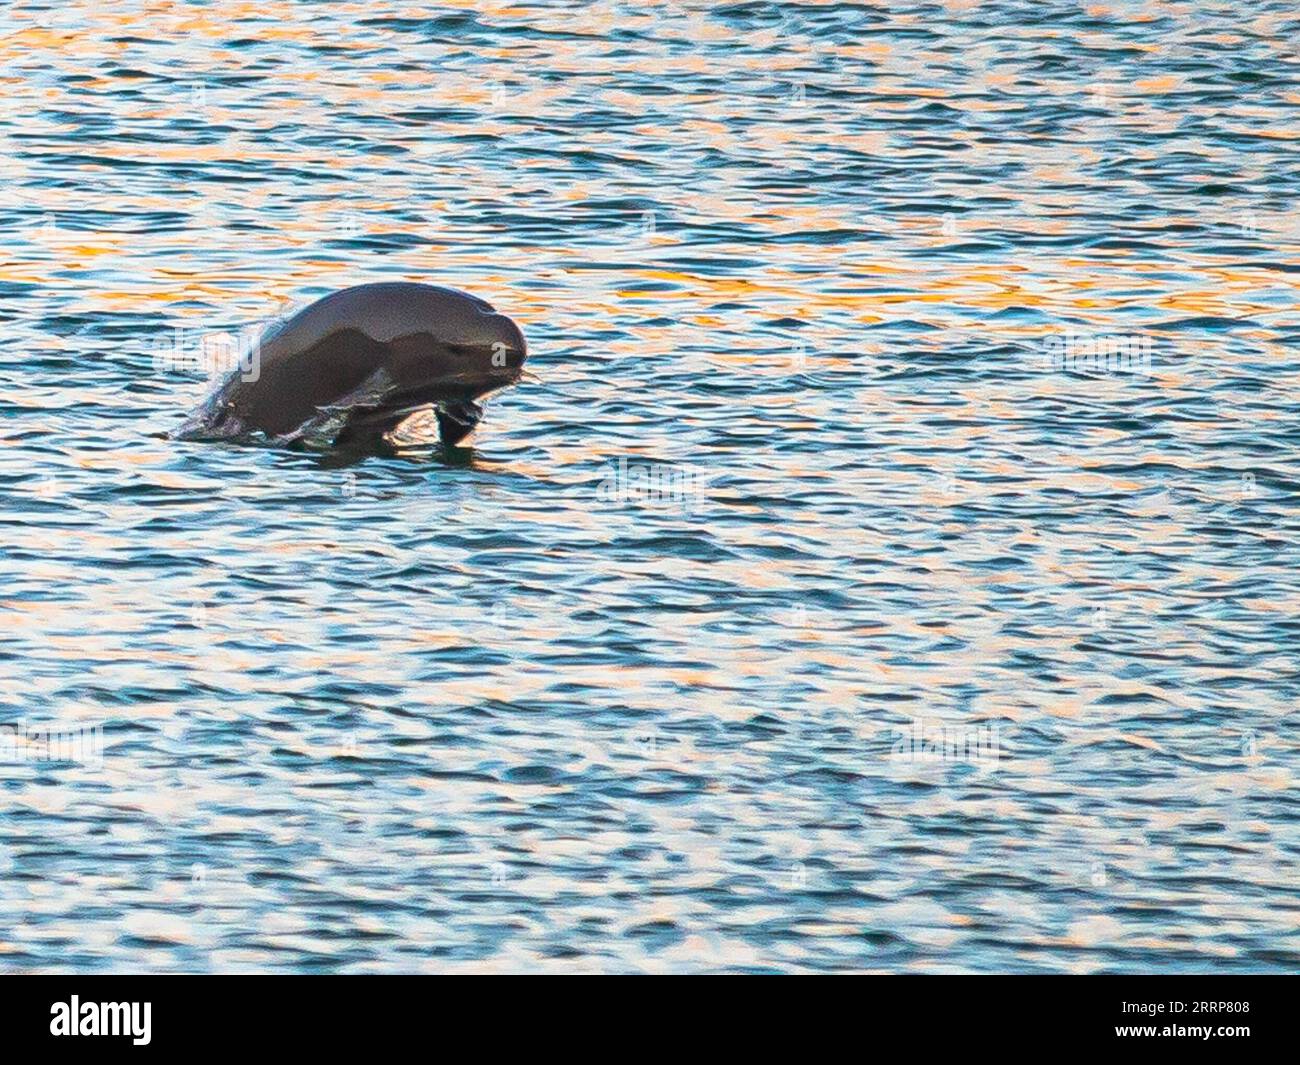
(813, 460)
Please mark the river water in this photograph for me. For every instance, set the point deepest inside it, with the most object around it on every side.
(889, 562)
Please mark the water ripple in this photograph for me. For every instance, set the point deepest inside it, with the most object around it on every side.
(888, 563)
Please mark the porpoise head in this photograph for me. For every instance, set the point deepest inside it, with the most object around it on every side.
(367, 357)
(445, 348)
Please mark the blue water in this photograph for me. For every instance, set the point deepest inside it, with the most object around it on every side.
(812, 459)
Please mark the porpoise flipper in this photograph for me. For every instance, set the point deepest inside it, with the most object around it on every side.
(457, 419)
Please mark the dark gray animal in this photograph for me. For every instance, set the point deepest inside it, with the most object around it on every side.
(353, 365)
